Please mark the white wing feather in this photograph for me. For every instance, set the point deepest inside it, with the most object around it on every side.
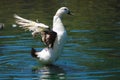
(30, 25)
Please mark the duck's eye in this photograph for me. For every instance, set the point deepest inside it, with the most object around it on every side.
(65, 9)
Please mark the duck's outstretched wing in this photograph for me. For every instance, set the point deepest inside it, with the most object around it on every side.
(48, 36)
(30, 25)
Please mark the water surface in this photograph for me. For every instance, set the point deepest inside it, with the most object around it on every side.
(92, 51)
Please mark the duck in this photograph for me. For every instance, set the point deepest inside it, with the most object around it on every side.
(54, 38)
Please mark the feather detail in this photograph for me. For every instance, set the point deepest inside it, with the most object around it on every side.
(29, 24)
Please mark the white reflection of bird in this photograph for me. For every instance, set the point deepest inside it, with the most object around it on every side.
(1, 26)
(47, 72)
(54, 38)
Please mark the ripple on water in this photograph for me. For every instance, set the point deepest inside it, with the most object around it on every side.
(82, 31)
(2, 37)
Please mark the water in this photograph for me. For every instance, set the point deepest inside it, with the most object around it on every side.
(92, 51)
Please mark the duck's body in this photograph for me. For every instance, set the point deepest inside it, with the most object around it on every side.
(51, 53)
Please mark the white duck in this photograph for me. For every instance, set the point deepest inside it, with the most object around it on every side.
(54, 39)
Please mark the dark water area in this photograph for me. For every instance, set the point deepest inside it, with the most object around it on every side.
(92, 51)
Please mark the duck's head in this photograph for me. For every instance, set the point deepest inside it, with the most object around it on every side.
(63, 10)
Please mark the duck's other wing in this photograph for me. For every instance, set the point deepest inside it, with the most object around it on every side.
(49, 37)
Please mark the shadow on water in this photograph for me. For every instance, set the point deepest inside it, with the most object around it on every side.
(52, 72)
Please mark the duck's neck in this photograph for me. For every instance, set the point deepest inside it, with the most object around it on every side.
(57, 23)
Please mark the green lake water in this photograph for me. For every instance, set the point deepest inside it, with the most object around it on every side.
(92, 51)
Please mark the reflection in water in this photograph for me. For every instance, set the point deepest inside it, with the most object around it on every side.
(51, 72)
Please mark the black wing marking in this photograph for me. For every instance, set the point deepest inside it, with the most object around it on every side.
(33, 53)
(48, 37)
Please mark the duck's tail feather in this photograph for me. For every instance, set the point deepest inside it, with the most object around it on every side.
(33, 53)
